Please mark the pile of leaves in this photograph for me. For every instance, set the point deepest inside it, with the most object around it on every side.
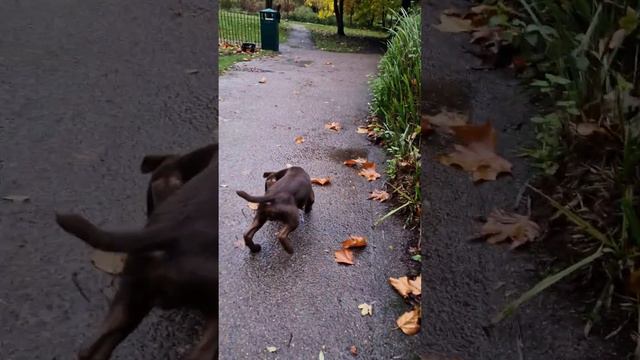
(582, 57)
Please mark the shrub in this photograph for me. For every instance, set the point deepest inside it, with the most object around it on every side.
(396, 99)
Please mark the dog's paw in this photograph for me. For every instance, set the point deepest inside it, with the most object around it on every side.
(255, 248)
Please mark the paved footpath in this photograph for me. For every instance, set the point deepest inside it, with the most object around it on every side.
(305, 303)
(86, 89)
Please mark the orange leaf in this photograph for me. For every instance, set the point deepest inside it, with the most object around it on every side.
(362, 130)
(369, 171)
(354, 241)
(501, 226)
(409, 322)
(405, 287)
(344, 256)
(299, 139)
(355, 162)
(335, 126)
(321, 181)
(379, 195)
(477, 154)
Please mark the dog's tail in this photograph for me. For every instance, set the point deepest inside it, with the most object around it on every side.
(147, 239)
(255, 199)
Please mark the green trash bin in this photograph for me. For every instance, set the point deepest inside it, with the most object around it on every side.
(269, 21)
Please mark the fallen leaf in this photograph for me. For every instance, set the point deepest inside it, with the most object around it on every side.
(501, 226)
(335, 126)
(446, 120)
(252, 206)
(321, 181)
(328, 63)
(586, 129)
(452, 24)
(354, 241)
(299, 139)
(344, 256)
(16, 198)
(272, 349)
(369, 171)
(409, 322)
(109, 262)
(365, 309)
(379, 195)
(477, 154)
(406, 287)
(321, 355)
(353, 350)
(355, 162)
(263, 80)
(362, 130)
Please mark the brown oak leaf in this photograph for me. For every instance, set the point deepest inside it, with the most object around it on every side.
(355, 162)
(321, 181)
(335, 126)
(409, 322)
(369, 171)
(354, 241)
(344, 256)
(406, 287)
(501, 226)
(477, 152)
(379, 195)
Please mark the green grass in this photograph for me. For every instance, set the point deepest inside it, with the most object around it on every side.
(325, 38)
(226, 61)
(396, 97)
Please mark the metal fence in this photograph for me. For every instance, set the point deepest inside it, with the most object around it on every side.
(237, 28)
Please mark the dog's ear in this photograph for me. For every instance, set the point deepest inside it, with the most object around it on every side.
(151, 162)
(267, 174)
(194, 162)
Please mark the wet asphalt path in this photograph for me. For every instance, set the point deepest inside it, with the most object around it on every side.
(86, 89)
(305, 302)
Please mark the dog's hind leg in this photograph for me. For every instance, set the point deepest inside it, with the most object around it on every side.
(291, 224)
(207, 348)
(257, 223)
(125, 314)
(309, 204)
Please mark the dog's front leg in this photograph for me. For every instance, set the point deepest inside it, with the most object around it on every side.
(127, 310)
(257, 223)
(207, 348)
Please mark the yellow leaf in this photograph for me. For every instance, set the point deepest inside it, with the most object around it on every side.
(365, 309)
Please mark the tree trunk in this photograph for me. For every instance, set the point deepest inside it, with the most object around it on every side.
(406, 4)
(269, 4)
(338, 9)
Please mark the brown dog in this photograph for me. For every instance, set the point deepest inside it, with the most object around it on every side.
(286, 191)
(171, 262)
